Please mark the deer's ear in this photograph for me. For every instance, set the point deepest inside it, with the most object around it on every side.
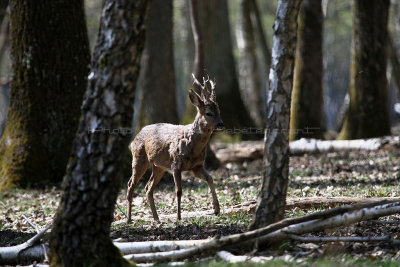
(195, 99)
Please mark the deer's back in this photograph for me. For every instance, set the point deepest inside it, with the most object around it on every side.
(158, 141)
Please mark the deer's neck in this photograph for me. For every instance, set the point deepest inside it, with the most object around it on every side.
(201, 134)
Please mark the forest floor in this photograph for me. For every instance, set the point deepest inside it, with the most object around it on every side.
(340, 176)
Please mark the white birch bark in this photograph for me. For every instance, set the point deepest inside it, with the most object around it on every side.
(271, 199)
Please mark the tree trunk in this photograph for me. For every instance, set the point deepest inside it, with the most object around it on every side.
(368, 115)
(249, 71)
(3, 9)
(272, 197)
(306, 117)
(80, 236)
(50, 51)
(220, 64)
(199, 71)
(158, 74)
(266, 51)
(395, 63)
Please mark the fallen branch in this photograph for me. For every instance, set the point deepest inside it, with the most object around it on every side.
(251, 150)
(280, 230)
(229, 257)
(156, 246)
(25, 252)
(315, 146)
(332, 222)
(329, 202)
(44, 247)
(318, 239)
(308, 202)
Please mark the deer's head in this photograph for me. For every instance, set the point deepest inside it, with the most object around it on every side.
(206, 103)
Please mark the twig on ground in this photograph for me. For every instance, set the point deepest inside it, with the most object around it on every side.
(317, 239)
(46, 256)
(116, 203)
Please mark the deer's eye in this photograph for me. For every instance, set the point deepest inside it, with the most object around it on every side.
(208, 114)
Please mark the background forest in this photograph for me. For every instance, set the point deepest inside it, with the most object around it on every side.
(337, 16)
(324, 70)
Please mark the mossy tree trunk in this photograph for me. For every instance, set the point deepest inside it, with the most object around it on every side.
(367, 115)
(306, 116)
(158, 99)
(50, 53)
(272, 196)
(81, 231)
(220, 63)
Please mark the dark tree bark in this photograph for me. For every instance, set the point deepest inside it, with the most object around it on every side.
(50, 51)
(367, 115)
(272, 197)
(248, 69)
(306, 117)
(158, 103)
(80, 235)
(219, 62)
(3, 9)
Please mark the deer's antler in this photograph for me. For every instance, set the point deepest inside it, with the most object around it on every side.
(206, 93)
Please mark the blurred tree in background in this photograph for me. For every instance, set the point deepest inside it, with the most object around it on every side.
(250, 81)
(50, 51)
(157, 95)
(306, 114)
(170, 60)
(367, 115)
(220, 63)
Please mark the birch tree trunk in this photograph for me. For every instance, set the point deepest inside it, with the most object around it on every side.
(306, 117)
(272, 197)
(80, 235)
(50, 57)
(158, 99)
(367, 115)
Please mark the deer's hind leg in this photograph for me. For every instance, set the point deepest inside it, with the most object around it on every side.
(139, 167)
(155, 178)
(201, 173)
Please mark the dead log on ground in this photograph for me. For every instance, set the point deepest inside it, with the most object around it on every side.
(25, 252)
(251, 150)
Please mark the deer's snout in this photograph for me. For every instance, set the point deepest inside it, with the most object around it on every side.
(220, 126)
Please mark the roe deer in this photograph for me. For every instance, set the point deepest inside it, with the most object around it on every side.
(177, 147)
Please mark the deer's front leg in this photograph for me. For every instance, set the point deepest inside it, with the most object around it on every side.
(178, 190)
(201, 173)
